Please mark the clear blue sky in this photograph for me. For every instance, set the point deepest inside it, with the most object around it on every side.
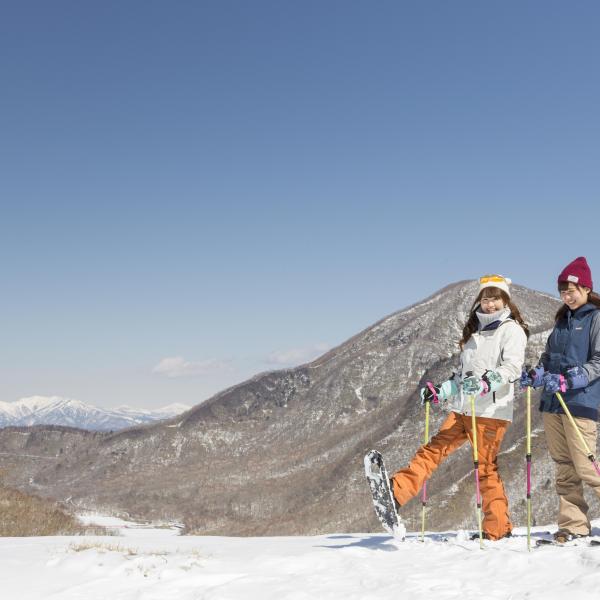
(236, 186)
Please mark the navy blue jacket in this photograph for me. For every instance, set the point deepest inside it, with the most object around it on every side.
(575, 341)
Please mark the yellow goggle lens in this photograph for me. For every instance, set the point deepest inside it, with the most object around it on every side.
(492, 278)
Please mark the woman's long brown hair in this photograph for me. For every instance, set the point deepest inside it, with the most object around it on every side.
(593, 298)
(472, 324)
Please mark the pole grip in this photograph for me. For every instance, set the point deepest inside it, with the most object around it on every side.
(431, 387)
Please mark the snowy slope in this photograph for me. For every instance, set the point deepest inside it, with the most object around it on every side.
(55, 410)
(145, 564)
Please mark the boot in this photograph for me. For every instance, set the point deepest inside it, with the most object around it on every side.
(563, 535)
(485, 536)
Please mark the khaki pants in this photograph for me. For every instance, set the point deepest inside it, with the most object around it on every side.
(453, 433)
(573, 468)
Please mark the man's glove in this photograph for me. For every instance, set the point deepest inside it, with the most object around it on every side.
(577, 377)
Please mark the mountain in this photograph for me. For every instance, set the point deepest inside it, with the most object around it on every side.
(282, 453)
(54, 410)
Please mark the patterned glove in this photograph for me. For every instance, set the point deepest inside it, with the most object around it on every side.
(525, 380)
(554, 383)
(577, 377)
(473, 386)
(443, 391)
(492, 379)
(427, 394)
(532, 377)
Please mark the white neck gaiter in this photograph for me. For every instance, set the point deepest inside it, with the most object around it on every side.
(485, 319)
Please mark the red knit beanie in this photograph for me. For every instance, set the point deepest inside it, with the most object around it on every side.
(577, 272)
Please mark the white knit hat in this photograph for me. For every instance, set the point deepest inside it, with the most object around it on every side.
(495, 281)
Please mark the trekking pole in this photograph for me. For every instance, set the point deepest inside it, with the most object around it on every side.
(476, 468)
(590, 454)
(424, 491)
(528, 458)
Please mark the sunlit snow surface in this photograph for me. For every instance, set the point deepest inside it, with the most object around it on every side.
(156, 563)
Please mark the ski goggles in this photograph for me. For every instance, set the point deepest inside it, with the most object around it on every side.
(493, 279)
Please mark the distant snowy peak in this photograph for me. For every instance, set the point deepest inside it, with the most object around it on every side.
(166, 411)
(173, 409)
(55, 410)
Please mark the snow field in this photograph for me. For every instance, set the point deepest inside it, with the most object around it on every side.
(145, 563)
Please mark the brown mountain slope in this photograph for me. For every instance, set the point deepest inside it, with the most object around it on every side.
(282, 452)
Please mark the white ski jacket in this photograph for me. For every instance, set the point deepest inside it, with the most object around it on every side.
(501, 350)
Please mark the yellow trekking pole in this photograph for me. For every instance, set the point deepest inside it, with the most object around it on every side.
(528, 458)
(424, 495)
(426, 440)
(476, 468)
(590, 454)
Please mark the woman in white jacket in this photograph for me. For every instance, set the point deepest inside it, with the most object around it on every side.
(493, 349)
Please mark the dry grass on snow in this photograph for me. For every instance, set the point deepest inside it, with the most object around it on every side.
(24, 515)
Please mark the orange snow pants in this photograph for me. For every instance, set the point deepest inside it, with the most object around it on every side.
(453, 433)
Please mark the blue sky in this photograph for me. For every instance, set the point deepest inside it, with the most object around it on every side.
(193, 192)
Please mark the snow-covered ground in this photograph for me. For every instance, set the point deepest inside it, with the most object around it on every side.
(145, 563)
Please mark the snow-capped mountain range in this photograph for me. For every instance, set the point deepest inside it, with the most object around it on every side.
(55, 410)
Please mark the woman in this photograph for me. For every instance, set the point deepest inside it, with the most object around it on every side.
(493, 349)
(570, 365)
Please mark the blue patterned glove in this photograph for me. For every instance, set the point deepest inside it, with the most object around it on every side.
(577, 377)
(554, 383)
(473, 386)
(533, 377)
(526, 380)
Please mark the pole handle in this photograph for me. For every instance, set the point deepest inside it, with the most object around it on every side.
(431, 387)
